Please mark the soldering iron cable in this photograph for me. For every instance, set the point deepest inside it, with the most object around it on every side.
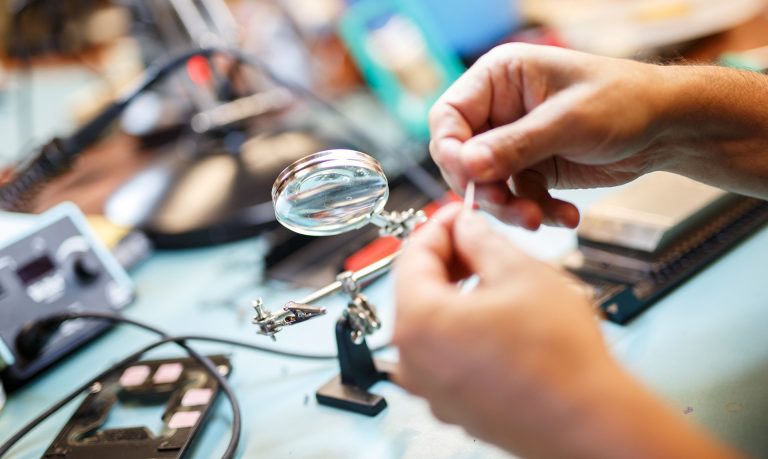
(58, 156)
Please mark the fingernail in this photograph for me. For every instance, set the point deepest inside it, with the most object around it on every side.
(479, 158)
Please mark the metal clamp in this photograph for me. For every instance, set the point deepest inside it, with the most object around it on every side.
(295, 312)
(362, 315)
(398, 224)
(292, 313)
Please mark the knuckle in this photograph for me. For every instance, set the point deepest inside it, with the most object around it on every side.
(435, 115)
(511, 153)
(501, 51)
(495, 54)
(505, 51)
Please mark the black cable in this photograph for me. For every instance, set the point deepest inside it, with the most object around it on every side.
(58, 318)
(226, 387)
(412, 170)
(5, 447)
(58, 156)
(91, 131)
(204, 361)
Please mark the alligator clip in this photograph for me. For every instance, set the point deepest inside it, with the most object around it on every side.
(292, 313)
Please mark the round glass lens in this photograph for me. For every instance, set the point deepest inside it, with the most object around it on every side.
(330, 192)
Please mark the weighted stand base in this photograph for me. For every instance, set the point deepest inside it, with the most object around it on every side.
(351, 398)
(349, 390)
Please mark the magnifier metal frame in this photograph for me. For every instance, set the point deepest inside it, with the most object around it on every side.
(359, 370)
(398, 224)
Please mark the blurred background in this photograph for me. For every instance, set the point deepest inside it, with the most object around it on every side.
(168, 121)
(189, 160)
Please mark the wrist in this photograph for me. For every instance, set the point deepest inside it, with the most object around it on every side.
(622, 419)
(712, 125)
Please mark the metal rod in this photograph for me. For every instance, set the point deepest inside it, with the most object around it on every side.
(379, 220)
(469, 197)
(371, 271)
(240, 109)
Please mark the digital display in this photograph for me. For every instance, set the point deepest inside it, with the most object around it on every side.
(35, 269)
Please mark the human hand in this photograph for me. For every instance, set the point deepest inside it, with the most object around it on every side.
(507, 359)
(525, 119)
(519, 361)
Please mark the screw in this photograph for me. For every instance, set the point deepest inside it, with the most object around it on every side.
(258, 306)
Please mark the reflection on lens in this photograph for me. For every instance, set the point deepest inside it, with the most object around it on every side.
(330, 193)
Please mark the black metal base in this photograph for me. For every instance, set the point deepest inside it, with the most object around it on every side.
(350, 398)
(349, 390)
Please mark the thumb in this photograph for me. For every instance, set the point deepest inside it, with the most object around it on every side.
(507, 150)
(483, 250)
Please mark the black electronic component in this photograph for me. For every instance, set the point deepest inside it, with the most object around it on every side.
(627, 281)
(56, 267)
(182, 385)
(87, 268)
(35, 269)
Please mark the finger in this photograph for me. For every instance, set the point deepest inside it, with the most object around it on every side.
(560, 213)
(423, 267)
(446, 217)
(509, 149)
(464, 107)
(493, 193)
(478, 100)
(447, 121)
(518, 212)
(445, 153)
(533, 185)
(485, 251)
(499, 201)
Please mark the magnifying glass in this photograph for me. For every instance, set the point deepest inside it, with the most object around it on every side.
(336, 191)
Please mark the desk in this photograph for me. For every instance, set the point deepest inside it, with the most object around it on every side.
(703, 348)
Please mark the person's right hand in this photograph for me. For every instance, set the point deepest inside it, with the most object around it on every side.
(519, 359)
(525, 119)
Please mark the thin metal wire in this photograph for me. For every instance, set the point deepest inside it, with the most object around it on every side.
(469, 196)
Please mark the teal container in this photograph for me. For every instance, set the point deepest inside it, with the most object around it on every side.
(470, 28)
(403, 57)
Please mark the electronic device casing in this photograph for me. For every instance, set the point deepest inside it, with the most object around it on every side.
(82, 275)
(84, 435)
